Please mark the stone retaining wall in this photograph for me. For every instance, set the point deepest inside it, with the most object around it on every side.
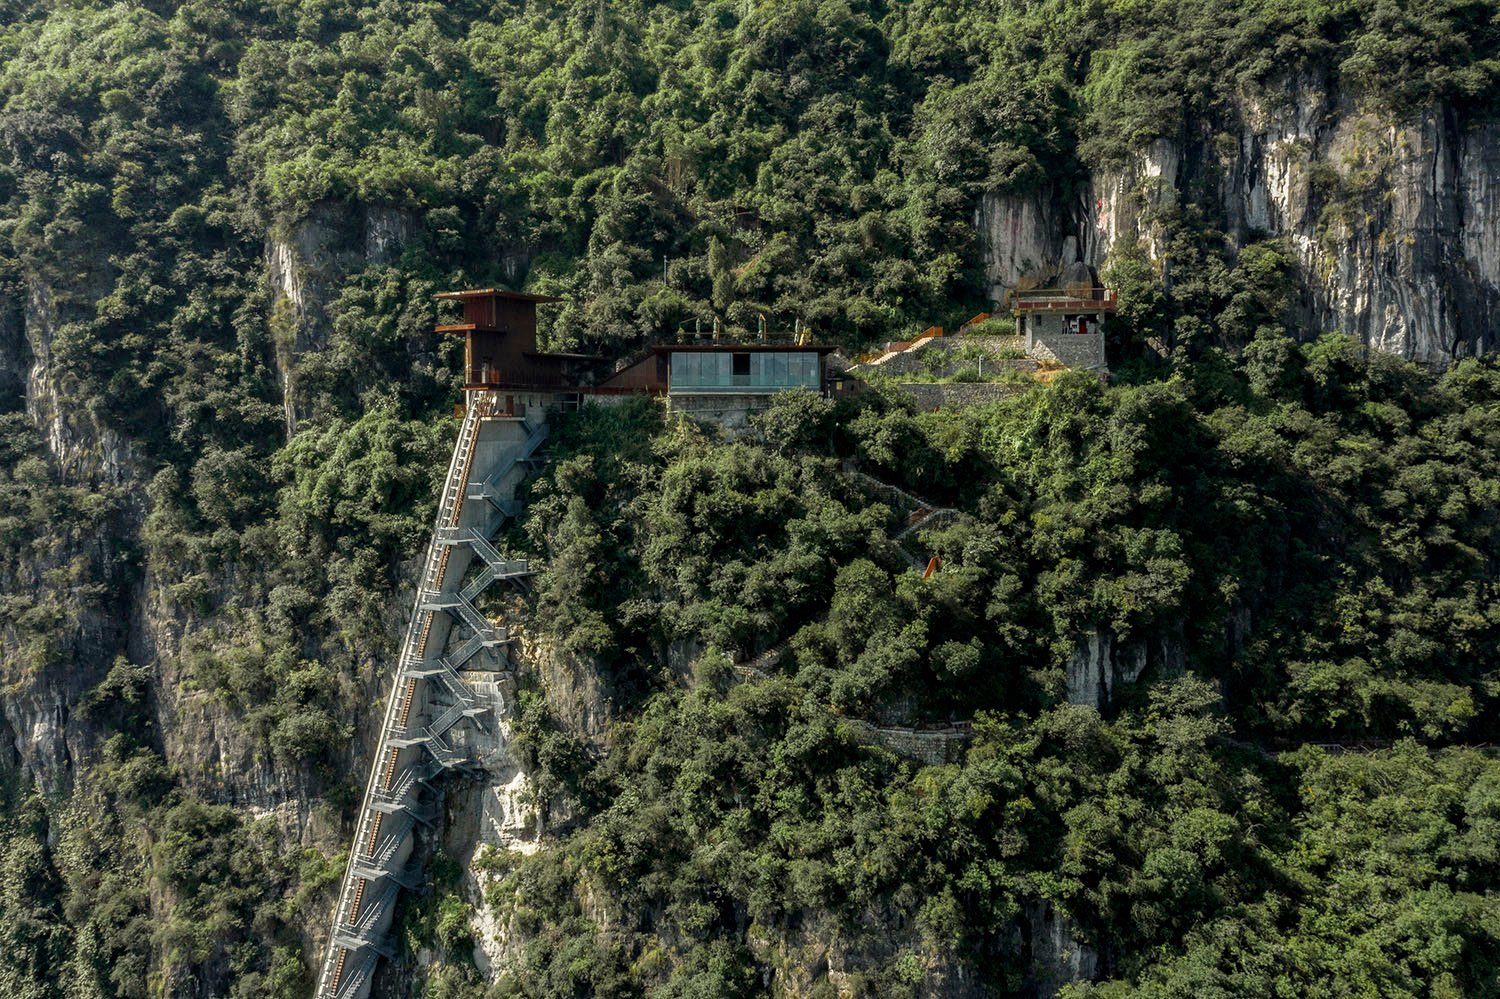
(958, 395)
(927, 747)
(729, 411)
(1074, 350)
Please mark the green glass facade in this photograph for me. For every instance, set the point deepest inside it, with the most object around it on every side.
(695, 372)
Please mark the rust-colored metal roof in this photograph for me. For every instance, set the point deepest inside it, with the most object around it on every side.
(1065, 300)
(515, 296)
(564, 355)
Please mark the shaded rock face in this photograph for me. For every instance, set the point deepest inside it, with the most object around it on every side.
(14, 355)
(42, 734)
(821, 959)
(1022, 238)
(500, 811)
(199, 736)
(387, 231)
(1398, 260)
(1056, 956)
(44, 679)
(1394, 227)
(40, 743)
(1100, 664)
(305, 263)
(82, 449)
(1093, 670)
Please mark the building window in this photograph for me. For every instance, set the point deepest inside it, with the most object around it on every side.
(755, 371)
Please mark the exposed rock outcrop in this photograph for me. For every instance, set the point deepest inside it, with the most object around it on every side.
(1100, 664)
(67, 596)
(305, 263)
(1056, 956)
(1120, 203)
(1023, 238)
(83, 449)
(819, 958)
(499, 813)
(1394, 226)
(1391, 225)
(573, 689)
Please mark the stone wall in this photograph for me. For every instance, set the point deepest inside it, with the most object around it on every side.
(729, 411)
(958, 395)
(1073, 350)
(926, 746)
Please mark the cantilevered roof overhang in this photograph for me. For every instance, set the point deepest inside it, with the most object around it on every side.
(514, 296)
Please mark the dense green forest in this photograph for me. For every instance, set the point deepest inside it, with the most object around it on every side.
(1307, 807)
(1236, 829)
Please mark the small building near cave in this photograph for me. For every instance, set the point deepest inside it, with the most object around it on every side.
(1066, 323)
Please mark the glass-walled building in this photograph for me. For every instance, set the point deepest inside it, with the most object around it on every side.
(743, 372)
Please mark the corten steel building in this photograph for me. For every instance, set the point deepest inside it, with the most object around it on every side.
(712, 379)
(500, 349)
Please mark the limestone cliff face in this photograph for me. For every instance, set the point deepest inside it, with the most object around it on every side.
(1394, 226)
(114, 606)
(305, 263)
(1119, 205)
(1056, 956)
(81, 595)
(500, 813)
(573, 689)
(83, 449)
(45, 676)
(1100, 663)
(1022, 237)
(118, 608)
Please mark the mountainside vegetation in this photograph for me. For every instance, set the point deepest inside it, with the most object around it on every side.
(1307, 808)
(211, 488)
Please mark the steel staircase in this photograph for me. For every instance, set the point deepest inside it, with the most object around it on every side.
(354, 984)
(429, 698)
(926, 516)
(461, 607)
(389, 799)
(489, 489)
(932, 520)
(465, 652)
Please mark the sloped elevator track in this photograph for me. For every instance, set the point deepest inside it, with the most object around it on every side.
(430, 705)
